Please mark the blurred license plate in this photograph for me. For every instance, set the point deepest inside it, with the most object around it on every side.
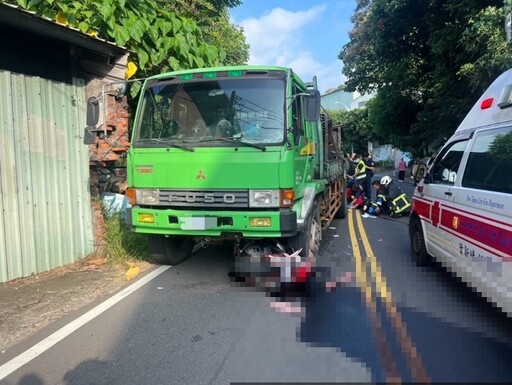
(198, 223)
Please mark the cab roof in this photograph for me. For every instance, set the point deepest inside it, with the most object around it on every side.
(493, 107)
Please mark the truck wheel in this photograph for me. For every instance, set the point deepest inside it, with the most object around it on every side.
(170, 250)
(418, 249)
(342, 211)
(309, 238)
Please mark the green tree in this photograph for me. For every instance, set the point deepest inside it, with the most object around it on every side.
(356, 128)
(213, 19)
(428, 61)
(227, 37)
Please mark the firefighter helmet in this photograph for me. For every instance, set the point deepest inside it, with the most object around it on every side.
(385, 180)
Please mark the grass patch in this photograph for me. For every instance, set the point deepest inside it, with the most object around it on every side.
(123, 246)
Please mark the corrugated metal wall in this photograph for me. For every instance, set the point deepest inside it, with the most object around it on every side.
(45, 215)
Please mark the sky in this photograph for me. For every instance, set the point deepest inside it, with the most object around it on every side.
(306, 35)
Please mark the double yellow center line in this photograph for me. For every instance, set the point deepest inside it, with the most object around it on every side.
(412, 357)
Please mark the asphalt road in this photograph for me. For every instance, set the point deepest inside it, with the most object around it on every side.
(190, 325)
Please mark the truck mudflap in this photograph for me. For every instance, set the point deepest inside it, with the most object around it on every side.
(266, 224)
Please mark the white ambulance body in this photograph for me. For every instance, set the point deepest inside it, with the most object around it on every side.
(462, 210)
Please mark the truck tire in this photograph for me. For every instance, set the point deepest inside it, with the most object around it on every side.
(418, 249)
(309, 238)
(170, 250)
(342, 211)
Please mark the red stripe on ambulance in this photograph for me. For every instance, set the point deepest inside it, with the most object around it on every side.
(483, 233)
(422, 208)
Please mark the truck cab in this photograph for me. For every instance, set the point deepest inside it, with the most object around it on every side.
(232, 153)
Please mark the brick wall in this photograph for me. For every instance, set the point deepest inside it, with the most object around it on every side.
(110, 147)
(104, 158)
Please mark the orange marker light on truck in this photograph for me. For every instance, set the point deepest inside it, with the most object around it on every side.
(130, 195)
(287, 198)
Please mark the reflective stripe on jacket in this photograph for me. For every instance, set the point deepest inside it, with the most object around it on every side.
(361, 170)
(400, 204)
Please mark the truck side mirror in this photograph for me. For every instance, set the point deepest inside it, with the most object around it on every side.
(89, 135)
(312, 106)
(122, 90)
(93, 114)
(93, 111)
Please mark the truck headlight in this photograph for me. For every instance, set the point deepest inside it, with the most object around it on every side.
(147, 197)
(263, 198)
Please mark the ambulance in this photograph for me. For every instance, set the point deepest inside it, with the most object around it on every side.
(461, 213)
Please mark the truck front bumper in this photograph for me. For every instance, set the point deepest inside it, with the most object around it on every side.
(213, 223)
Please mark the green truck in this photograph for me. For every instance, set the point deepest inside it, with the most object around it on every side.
(234, 154)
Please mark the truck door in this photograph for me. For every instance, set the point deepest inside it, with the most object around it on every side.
(304, 148)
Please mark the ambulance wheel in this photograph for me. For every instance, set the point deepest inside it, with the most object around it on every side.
(418, 249)
(309, 238)
(170, 250)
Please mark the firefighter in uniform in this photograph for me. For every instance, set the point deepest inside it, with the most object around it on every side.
(390, 199)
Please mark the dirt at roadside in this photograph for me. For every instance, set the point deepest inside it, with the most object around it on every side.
(29, 304)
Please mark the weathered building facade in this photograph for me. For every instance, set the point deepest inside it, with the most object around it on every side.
(47, 74)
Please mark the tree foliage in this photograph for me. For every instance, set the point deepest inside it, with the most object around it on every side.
(228, 37)
(356, 128)
(159, 40)
(429, 61)
(213, 19)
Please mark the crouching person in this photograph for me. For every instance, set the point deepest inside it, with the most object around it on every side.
(379, 206)
(356, 197)
(394, 200)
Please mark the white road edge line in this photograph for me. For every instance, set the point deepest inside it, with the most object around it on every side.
(59, 335)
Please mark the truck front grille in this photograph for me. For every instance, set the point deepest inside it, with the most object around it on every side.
(205, 198)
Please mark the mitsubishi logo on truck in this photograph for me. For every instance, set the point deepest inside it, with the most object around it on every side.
(200, 175)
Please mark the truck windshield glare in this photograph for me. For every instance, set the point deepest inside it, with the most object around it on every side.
(248, 110)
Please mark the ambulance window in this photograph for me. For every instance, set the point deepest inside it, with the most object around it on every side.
(444, 171)
(489, 162)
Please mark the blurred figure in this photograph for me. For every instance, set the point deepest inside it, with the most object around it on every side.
(356, 197)
(286, 277)
(370, 172)
(418, 171)
(401, 170)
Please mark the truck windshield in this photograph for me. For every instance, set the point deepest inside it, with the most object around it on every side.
(200, 112)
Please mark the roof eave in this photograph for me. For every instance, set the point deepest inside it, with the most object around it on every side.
(31, 22)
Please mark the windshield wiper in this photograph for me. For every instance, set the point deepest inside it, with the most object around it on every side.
(182, 147)
(237, 140)
(168, 143)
